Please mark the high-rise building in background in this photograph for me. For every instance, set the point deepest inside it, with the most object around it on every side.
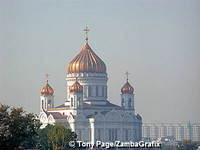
(178, 131)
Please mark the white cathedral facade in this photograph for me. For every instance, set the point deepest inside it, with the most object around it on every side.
(87, 111)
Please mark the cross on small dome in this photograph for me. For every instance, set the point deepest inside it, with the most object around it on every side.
(127, 88)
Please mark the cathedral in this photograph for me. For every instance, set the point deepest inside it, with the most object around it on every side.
(87, 111)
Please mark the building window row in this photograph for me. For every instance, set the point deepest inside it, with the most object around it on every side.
(177, 132)
(112, 134)
(99, 91)
(126, 134)
(99, 134)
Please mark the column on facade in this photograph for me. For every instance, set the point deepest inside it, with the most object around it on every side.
(72, 125)
(92, 132)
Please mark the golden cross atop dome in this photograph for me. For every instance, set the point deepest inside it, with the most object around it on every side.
(47, 76)
(127, 74)
(86, 33)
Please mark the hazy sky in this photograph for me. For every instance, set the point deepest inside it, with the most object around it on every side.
(157, 41)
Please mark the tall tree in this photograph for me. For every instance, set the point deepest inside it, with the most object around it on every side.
(59, 136)
(55, 137)
(16, 128)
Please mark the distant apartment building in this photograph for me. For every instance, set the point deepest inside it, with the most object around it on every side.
(178, 131)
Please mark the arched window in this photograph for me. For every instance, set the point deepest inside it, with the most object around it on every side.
(42, 104)
(110, 134)
(49, 101)
(84, 91)
(89, 91)
(72, 102)
(129, 102)
(105, 88)
(126, 135)
(122, 102)
(97, 91)
(102, 91)
(115, 134)
(78, 102)
(45, 104)
(99, 134)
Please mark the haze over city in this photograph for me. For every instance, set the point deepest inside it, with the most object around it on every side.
(156, 41)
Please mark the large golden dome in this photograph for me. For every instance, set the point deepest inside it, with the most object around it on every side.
(86, 62)
(47, 90)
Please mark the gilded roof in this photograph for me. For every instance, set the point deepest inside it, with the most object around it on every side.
(76, 88)
(47, 90)
(127, 88)
(86, 62)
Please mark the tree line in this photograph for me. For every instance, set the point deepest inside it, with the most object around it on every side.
(21, 130)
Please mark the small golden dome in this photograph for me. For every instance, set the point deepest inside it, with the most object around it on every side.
(86, 62)
(47, 90)
(76, 88)
(127, 88)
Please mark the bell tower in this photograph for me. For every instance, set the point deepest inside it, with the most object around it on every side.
(127, 96)
(76, 95)
(46, 97)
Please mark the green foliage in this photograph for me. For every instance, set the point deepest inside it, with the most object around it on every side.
(42, 138)
(16, 128)
(55, 137)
